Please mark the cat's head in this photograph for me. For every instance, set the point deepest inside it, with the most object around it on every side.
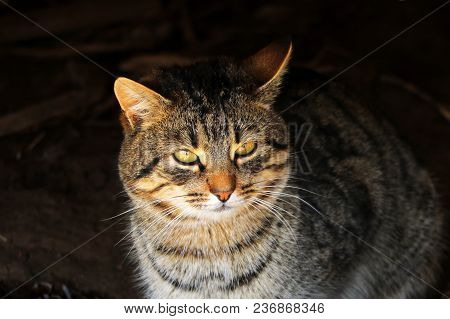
(204, 138)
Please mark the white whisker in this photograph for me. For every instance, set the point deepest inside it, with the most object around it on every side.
(271, 208)
(163, 213)
(295, 187)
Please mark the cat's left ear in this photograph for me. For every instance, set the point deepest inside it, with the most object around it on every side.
(268, 65)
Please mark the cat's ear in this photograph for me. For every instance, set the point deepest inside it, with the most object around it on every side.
(139, 103)
(268, 65)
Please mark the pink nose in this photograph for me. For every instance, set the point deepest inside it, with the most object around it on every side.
(222, 185)
(223, 196)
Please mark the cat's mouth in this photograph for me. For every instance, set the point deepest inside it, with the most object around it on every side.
(216, 207)
(222, 208)
(213, 207)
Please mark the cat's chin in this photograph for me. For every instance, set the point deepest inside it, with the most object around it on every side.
(212, 214)
(222, 208)
(214, 209)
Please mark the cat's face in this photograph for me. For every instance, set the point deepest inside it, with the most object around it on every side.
(210, 146)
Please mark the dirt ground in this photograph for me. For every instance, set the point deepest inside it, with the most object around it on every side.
(59, 134)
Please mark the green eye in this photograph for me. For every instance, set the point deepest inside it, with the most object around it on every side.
(246, 149)
(185, 157)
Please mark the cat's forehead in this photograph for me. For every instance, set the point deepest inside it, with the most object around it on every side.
(209, 82)
(211, 128)
(211, 104)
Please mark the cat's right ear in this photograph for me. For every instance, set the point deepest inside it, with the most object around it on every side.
(269, 64)
(267, 67)
(139, 103)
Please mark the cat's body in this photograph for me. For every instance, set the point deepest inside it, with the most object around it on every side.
(363, 223)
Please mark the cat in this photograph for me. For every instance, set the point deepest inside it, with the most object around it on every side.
(221, 208)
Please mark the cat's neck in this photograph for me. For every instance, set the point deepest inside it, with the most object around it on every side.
(176, 232)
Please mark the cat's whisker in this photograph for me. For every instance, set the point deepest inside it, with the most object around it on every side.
(123, 192)
(127, 188)
(123, 213)
(296, 187)
(173, 227)
(280, 179)
(278, 207)
(291, 233)
(291, 177)
(161, 234)
(275, 207)
(146, 229)
(295, 153)
(163, 214)
(251, 204)
(303, 201)
(281, 199)
(126, 212)
(145, 206)
(180, 206)
(168, 211)
(266, 180)
(247, 231)
(278, 215)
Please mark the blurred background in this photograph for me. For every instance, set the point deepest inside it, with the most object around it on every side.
(59, 130)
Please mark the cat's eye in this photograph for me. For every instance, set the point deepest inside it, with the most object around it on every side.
(246, 149)
(186, 157)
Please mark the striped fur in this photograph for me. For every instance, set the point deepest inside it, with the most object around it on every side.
(367, 212)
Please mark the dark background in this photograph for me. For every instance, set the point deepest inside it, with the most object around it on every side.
(59, 134)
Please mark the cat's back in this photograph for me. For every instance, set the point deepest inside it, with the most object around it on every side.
(374, 205)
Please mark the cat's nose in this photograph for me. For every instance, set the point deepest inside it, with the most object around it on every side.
(222, 185)
(223, 196)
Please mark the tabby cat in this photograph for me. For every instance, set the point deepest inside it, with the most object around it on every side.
(223, 207)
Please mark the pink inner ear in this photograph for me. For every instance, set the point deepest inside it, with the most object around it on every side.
(269, 62)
